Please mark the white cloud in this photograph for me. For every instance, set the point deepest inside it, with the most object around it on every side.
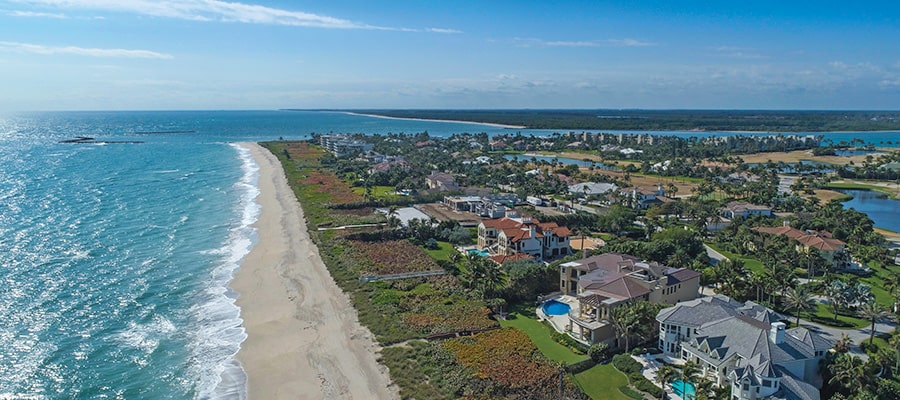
(443, 30)
(744, 53)
(629, 43)
(32, 14)
(223, 11)
(528, 42)
(81, 51)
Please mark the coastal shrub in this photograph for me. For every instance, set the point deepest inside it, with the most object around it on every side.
(580, 366)
(388, 297)
(626, 364)
(567, 341)
(506, 356)
(640, 382)
(598, 352)
(631, 393)
(394, 257)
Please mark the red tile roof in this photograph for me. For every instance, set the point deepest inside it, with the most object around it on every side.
(819, 240)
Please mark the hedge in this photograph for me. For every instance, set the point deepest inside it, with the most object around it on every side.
(580, 366)
(626, 364)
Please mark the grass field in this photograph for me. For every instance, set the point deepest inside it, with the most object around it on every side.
(797, 156)
(378, 192)
(827, 195)
(540, 335)
(442, 253)
(888, 188)
(750, 263)
(602, 382)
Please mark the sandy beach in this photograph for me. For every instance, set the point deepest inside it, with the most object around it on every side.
(439, 120)
(304, 339)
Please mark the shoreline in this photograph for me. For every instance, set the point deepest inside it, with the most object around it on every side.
(436, 120)
(304, 340)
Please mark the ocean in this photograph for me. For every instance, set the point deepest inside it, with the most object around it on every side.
(115, 259)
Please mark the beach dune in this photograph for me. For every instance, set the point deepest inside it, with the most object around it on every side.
(304, 340)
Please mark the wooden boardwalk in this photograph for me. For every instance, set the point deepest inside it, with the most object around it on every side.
(390, 277)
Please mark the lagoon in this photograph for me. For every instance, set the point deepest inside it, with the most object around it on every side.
(884, 211)
(561, 160)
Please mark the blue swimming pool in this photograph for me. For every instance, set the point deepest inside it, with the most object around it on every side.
(553, 307)
(482, 253)
(684, 389)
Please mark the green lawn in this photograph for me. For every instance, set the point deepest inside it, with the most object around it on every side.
(750, 263)
(443, 253)
(540, 335)
(824, 311)
(602, 382)
(861, 186)
(378, 192)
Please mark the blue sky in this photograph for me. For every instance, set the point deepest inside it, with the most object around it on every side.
(256, 54)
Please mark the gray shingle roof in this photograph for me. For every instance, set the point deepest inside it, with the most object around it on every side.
(699, 311)
(793, 388)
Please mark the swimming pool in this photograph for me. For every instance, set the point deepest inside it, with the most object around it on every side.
(684, 389)
(553, 307)
(482, 253)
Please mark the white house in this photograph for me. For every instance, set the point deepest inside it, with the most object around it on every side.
(737, 209)
(744, 346)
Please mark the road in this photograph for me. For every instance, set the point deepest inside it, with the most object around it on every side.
(714, 256)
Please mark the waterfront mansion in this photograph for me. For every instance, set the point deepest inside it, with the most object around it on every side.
(510, 236)
(606, 281)
(744, 346)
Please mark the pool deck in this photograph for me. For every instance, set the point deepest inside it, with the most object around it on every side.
(559, 322)
(651, 363)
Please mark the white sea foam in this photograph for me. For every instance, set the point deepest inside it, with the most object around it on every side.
(222, 331)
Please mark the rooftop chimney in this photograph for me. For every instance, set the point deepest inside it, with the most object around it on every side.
(776, 332)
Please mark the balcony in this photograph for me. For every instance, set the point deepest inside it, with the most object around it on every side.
(586, 321)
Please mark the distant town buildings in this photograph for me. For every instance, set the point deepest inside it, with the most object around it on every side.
(642, 197)
(588, 189)
(441, 181)
(343, 145)
(737, 209)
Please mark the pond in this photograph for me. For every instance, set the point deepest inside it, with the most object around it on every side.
(884, 211)
(561, 160)
(857, 152)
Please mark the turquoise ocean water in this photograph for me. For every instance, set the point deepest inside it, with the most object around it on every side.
(115, 259)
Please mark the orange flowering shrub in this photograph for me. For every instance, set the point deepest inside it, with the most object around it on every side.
(395, 257)
(440, 318)
(505, 356)
(327, 183)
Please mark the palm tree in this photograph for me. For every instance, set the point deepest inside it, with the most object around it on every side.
(664, 375)
(848, 371)
(799, 299)
(688, 372)
(483, 275)
(892, 286)
(843, 344)
(836, 296)
(703, 388)
(873, 312)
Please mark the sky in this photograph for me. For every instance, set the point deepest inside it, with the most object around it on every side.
(457, 54)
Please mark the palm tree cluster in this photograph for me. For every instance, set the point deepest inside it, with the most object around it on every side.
(848, 376)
